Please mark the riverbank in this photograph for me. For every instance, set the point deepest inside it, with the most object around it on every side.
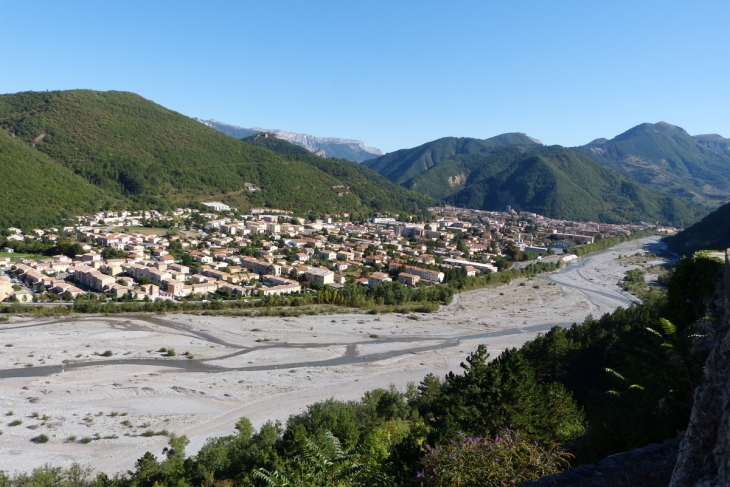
(264, 368)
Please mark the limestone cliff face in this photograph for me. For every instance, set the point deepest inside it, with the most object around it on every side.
(353, 150)
(704, 454)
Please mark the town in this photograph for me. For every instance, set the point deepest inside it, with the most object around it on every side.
(195, 254)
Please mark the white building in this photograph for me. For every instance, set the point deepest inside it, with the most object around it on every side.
(217, 205)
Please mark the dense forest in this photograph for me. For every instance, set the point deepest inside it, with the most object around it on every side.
(116, 149)
(668, 158)
(551, 181)
(367, 184)
(405, 164)
(567, 397)
(712, 232)
(515, 170)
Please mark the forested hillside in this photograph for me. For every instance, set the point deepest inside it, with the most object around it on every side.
(141, 154)
(35, 191)
(710, 233)
(367, 184)
(552, 181)
(405, 164)
(669, 159)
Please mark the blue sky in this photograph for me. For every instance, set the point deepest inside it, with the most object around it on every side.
(393, 74)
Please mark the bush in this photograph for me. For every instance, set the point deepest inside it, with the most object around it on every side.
(508, 459)
(170, 352)
(42, 438)
(107, 353)
(16, 422)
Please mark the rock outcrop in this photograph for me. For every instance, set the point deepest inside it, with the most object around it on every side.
(701, 458)
(650, 466)
(704, 459)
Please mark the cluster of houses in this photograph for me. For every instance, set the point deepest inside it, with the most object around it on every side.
(268, 252)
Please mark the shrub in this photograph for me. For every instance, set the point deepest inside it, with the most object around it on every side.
(170, 352)
(107, 353)
(508, 459)
(16, 422)
(85, 440)
(42, 438)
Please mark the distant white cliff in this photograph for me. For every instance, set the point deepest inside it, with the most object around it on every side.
(354, 150)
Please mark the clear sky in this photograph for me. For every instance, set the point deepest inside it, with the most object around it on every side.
(393, 74)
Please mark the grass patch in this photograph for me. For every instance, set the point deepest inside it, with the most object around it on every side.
(17, 255)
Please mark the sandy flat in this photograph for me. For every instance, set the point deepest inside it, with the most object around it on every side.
(55, 379)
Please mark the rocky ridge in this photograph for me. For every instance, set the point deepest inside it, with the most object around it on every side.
(354, 150)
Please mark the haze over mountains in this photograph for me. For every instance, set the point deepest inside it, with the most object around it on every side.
(353, 150)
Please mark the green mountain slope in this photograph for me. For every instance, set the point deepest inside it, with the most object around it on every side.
(368, 185)
(552, 181)
(714, 141)
(405, 164)
(710, 233)
(669, 159)
(35, 191)
(148, 156)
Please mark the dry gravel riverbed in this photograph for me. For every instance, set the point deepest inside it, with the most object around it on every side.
(263, 368)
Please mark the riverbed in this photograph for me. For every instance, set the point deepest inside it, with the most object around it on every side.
(56, 379)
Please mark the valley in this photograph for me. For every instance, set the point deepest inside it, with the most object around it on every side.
(105, 412)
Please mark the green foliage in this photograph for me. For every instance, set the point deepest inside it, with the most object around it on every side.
(35, 191)
(633, 370)
(42, 438)
(403, 165)
(367, 184)
(323, 463)
(508, 459)
(82, 150)
(551, 181)
(606, 243)
(457, 278)
(48, 476)
(503, 393)
(710, 233)
(668, 158)
(605, 386)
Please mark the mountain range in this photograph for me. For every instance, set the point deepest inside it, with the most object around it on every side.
(668, 158)
(70, 152)
(404, 164)
(671, 175)
(518, 171)
(353, 150)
